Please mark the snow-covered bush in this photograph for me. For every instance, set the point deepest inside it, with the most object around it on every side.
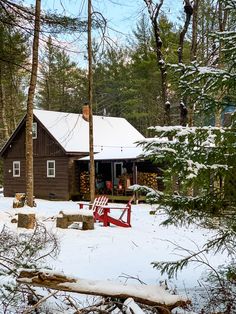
(220, 285)
(199, 164)
(22, 250)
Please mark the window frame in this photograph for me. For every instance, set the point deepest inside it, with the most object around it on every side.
(34, 130)
(50, 168)
(14, 169)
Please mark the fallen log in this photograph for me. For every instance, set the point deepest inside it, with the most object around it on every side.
(145, 294)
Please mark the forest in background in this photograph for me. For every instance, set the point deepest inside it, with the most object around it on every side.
(127, 79)
(177, 76)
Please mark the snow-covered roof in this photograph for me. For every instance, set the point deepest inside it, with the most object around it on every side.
(117, 153)
(112, 136)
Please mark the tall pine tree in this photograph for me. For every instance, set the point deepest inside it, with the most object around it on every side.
(62, 86)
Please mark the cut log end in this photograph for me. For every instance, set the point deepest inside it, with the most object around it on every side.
(26, 221)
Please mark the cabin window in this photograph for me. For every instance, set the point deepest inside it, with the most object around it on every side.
(34, 130)
(51, 170)
(16, 168)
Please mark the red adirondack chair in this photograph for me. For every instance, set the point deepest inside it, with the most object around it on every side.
(98, 201)
(103, 213)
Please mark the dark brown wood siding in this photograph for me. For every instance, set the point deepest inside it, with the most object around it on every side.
(44, 144)
(45, 148)
(16, 149)
(44, 187)
(56, 188)
(12, 184)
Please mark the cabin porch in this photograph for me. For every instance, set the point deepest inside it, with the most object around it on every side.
(114, 177)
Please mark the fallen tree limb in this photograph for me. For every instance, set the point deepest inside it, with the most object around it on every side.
(144, 294)
(130, 306)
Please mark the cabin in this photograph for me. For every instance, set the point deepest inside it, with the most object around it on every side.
(61, 157)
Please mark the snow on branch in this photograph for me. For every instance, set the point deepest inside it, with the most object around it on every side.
(145, 294)
(191, 151)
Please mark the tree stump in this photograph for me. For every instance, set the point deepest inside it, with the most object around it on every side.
(64, 220)
(19, 200)
(88, 223)
(26, 221)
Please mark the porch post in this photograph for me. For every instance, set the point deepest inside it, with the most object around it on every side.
(135, 173)
(135, 180)
(112, 177)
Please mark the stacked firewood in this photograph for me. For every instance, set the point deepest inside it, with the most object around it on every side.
(84, 182)
(148, 179)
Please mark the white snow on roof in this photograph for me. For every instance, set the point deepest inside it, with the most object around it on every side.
(72, 131)
(117, 153)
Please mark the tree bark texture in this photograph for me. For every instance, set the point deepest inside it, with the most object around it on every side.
(29, 116)
(222, 19)
(104, 288)
(188, 9)
(90, 97)
(154, 10)
(2, 96)
(3, 107)
(193, 52)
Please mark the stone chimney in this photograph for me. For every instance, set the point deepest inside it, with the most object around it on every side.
(85, 112)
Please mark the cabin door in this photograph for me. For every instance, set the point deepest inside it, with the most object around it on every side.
(118, 170)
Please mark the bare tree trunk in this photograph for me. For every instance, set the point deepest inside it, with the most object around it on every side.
(2, 96)
(29, 116)
(14, 101)
(193, 52)
(90, 96)
(154, 10)
(3, 107)
(188, 9)
(222, 19)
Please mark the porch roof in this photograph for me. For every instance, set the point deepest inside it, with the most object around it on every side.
(117, 153)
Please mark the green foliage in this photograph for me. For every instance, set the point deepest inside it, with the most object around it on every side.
(62, 86)
(203, 160)
(221, 285)
(63, 24)
(200, 173)
(199, 164)
(127, 82)
(112, 82)
(14, 55)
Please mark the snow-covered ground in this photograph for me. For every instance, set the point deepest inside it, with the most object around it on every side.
(116, 253)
